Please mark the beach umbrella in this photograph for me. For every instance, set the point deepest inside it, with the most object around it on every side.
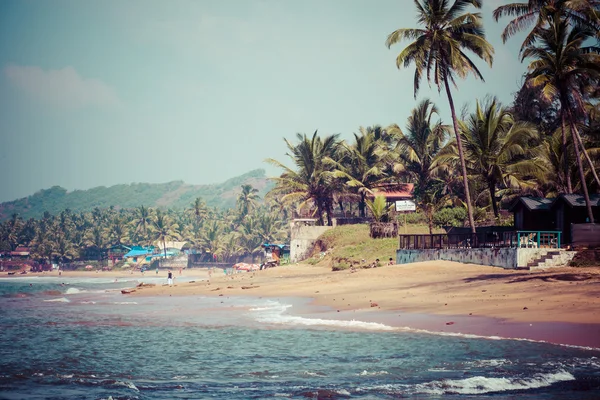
(89, 267)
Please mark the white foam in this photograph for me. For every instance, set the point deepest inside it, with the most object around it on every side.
(125, 302)
(274, 313)
(129, 385)
(73, 290)
(481, 384)
(373, 373)
(59, 300)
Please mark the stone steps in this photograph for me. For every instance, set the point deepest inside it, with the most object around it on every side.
(554, 258)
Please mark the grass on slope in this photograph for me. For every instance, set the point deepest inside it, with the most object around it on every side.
(348, 245)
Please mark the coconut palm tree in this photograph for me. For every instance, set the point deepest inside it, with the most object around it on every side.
(247, 200)
(199, 209)
(496, 149)
(142, 221)
(164, 229)
(438, 52)
(539, 12)
(211, 238)
(311, 182)
(361, 166)
(417, 150)
(562, 65)
(117, 231)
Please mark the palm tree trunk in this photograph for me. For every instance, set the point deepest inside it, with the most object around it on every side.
(461, 156)
(565, 153)
(586, 155)
(362, 205)
(165, 248)
(492, 189)
(582, 175)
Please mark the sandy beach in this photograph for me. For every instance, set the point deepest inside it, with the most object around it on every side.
(560, 305)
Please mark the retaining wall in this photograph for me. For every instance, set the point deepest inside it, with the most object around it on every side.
(509, 258)
(303, 238)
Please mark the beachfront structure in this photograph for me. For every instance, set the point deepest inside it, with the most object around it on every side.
(139, 255)
(545, 232)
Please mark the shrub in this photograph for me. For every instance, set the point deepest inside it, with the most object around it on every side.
(454, 216)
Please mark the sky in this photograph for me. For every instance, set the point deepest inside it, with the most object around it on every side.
(98, 93)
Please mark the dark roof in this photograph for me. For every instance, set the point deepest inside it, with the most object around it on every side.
(533, 203)
(577, 200)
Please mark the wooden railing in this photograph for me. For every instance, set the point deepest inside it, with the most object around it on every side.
(513, 239)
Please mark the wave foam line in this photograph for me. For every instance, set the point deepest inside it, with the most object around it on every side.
(274, 314)
(59, 300)
(481, 384)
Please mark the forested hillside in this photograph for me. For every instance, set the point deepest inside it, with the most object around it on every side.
(176, 195)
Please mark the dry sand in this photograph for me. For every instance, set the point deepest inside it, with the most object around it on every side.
(560, 305)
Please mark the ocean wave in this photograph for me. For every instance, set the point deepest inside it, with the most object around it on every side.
(481, 384)
(59, 300)
(73, 290)
(373, 373)
(274, 313)
(124, 302)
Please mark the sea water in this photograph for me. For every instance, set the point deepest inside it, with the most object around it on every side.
(82, 339)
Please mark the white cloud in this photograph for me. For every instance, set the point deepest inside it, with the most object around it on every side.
(63, 88)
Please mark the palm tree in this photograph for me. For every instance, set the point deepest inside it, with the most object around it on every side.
(417, 150)
(117, 230)
(539, 12)
(199, 209)
(211, 238)
(164, 229)
(496, 148)
(438, 50)
(361, 166)
(562, 66)
(247, 200)
(311, 183)
(142, 221)
(379, 209)
(546, 12)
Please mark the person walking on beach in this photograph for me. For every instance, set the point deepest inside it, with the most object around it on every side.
(170, 278)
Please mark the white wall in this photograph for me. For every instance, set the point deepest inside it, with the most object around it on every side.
(303, 238)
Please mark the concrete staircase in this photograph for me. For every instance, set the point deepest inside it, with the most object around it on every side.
(552, 258)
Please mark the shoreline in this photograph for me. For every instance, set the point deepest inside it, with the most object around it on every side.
(559, 305)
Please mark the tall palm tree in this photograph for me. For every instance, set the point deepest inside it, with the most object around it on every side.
(438, 52)
(361, 166)
(247, 200)
(117, 230)
(542, 13)
(164, 229)
(211, 239)
(142, 221)
(497, 148)
(311, 182)
(539, 12)
(199, 209)
(562, 65)
(417, 150)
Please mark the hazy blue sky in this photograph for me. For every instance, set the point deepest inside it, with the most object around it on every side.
(105, 92)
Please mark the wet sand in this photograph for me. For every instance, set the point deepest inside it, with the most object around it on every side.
(560, 305)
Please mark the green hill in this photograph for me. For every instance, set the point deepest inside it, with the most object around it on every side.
(176, 194)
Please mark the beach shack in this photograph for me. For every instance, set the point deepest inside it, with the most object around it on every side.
(566, 213)
(570, 211)
(533, 214)
(139, 255)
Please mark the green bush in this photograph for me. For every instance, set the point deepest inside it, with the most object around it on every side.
(450, 216)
